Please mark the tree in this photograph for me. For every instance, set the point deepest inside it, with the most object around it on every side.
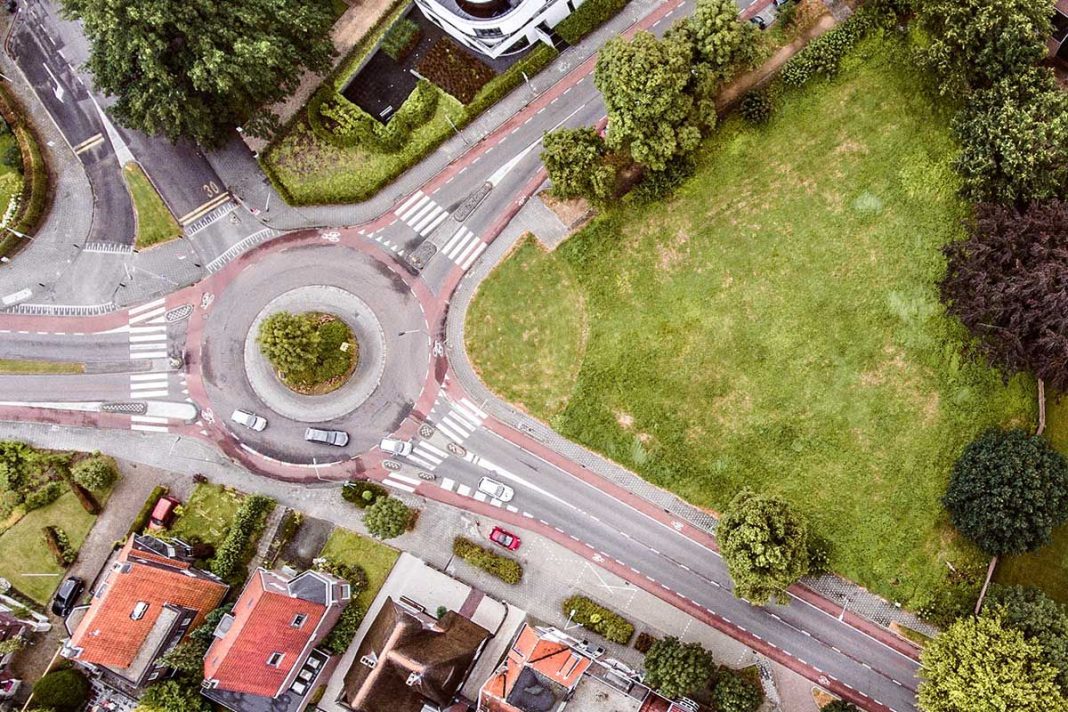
(976, 665)
(1006, 285)
(1008, 490)
(736, 693)
(1039, 618)
(971, 44)
(387, 518)
(187, 656)
(646, 83)
(577, 166)
(199, 68)
(675, 669)
(720, 39)
(175, 695)
(1014, 140)
(765, 545)
(839, 706)
(289, 341)
(64, 690)
(96, 472)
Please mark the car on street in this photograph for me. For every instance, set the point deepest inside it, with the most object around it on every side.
(396, 447)
(67, 596)
(163, 513)
(759, 21)
(337, 438)
(495, 489)
(505, 538)
(249, 420)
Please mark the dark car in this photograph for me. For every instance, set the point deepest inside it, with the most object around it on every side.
(505, 538)
(67, 596)
(759, 22)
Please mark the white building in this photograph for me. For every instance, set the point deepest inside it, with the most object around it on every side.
(497, 27)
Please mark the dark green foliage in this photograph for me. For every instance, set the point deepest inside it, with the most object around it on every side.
(12, 157)
(1008, 490)
(756, 106)
(187, 656)
(204, 633)
(675, 669)
(230, 556)
(440, 612)
(36, 186)
(306, 348)
(340, 636)
(951, 600)
(455, 70)
(340, 122)
(401, 39)
(96, 472)
(504, 568)
(644, 642)
(139, 522)
(720, 39)
(387, 518)
(196, 68)
(576, 160)
(597, 618)
(823, 55)
(177, 695)
(354, 575)
(736, 691)
(64, 690)
(1041, 620)
(839, 706)
(363, 493)
(45, 493)
(658, 185)
(588, 17)
(59, 545)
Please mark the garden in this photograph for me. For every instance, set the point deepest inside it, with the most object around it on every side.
(775, 324)
(313, 353)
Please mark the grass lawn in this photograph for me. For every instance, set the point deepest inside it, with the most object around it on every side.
(376, 559)
(10, 177)
(10, 366)
(155, 224)
(207, 514)
(23, 551)
(777, 325)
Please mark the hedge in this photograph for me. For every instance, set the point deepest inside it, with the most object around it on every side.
(59, 545)
(291, 521)
(340, 636)
(229, 557)
(588, 17)
(338, 121)
(401, 39)
(823, 55)
(63, 690)
(599, 619)
(36, 196)
(507, 570)
(363, 494)
(141, 520)
(45, 494)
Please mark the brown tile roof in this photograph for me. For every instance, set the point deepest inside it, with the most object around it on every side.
(108, 635)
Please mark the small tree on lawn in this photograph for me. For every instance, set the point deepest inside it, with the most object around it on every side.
(177, 695)
(765, 545)
(976, 665)
(734, 692)
(289, 341)
(387, 518)
(96, 472)
(576, 162)
(1041, 620)
(675, 669)
(720, 39)
(1007, 492)
(64, 690)
(839, 706)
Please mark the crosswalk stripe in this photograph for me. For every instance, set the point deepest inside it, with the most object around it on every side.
(496, 503)
(427, 455)
(473, 256)
(399, 485)
(469, 413)
(472, 407)
(431, 208)
(457, 423)
(481, 496)
(145, 316)
(408, 203)
(149, 394)
(467, 250)
(404, 478)
(437, 451)
(145, 307)
(424, 203)
(447, 484)
(433, 225)
(149, 377)
(449, 434)
(420, 461)
(148, 354)
(144, 347)
(455, 250)
(140, 338)
(419, 225)
(148, 419)
(452, 240)
(148, 385)
(149, 428)
(463, 491)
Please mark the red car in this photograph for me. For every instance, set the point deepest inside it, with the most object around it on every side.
(505, 538)
(163, 513)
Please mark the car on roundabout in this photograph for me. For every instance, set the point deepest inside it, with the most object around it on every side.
(396, 447)
(495, 489)
(337, 438)
(505, 538)
(249, 420)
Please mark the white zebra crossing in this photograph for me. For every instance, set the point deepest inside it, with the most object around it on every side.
(149, 423)
(427, 456)
(463, 247)
(147, 324)
(149, 385)
(421, 214)
(401, 482)
(461, 420)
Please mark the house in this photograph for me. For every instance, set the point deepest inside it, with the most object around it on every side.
(11, 628)
(1058, 41)
(409, 661)
(143, 604)
(497, 28)
(264, 655)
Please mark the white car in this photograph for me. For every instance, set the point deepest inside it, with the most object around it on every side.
(496, 489)
(249, 420)
(396, 447)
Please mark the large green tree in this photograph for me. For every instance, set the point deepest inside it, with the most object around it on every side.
(63, 690)
(977, 665)
(1041, 620)
(289, 341)
(647, 85)
(765, 545)
(675, 668)
(176, 695)
(1007, 492)
(720, 39)
(1014, 140)
(735, 692)
(576, 162)
(972, 44)
(199, 68)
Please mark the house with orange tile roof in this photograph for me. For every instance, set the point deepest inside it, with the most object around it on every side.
(143, 605)
(264, 656)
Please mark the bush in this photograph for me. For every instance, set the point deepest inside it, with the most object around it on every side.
(455, 70)
(96, 472)
(340, 636)
(230, 555)
(36, 196)
(59, 545)
(756, 106)
(658, 185)
(401, 39)
(599, 619)
(588, 17)
(644, 642)
(45, 494)
(12, 157)
(141, 520)
(822, 55)
(675, 668)
(736, 692)
(338, 121)
(387, 518)
(354, 575)
(507, 570)
(64, 690)
(363, 493)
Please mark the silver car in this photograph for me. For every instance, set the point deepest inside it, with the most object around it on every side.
(396, 447)
(495, 489)
(249, 420)
(336, 438)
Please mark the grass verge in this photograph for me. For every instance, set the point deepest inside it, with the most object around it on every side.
(155, 224)
(351, 549)
(18, 366)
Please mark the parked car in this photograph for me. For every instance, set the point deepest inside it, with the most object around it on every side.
(67, 596)
(163, 513)
(505, 538)
(496, 489)
(759, 22)
(396, 447)
(336, 438)
(249, 420)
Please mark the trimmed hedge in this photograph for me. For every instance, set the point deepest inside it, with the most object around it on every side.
(340, 636)
(36, 196)
(588, 17)
(141, 520)
(45, 494)
(229, 557)
(599, 619)
(507, 570)
(338, 121)
(823, 55)
(59, 545)
(401, 39)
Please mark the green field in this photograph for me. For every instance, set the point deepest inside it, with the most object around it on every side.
(207, 514)
(24, 558)
(776, 325)
(346, 547)
(155, 224)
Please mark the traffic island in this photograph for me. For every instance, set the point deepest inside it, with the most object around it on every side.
(313, 353)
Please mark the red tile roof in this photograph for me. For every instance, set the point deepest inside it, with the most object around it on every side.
(107, 635)
(552, 659)
(262, 625)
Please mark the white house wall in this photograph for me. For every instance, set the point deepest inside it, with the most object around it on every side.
(522, 22)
